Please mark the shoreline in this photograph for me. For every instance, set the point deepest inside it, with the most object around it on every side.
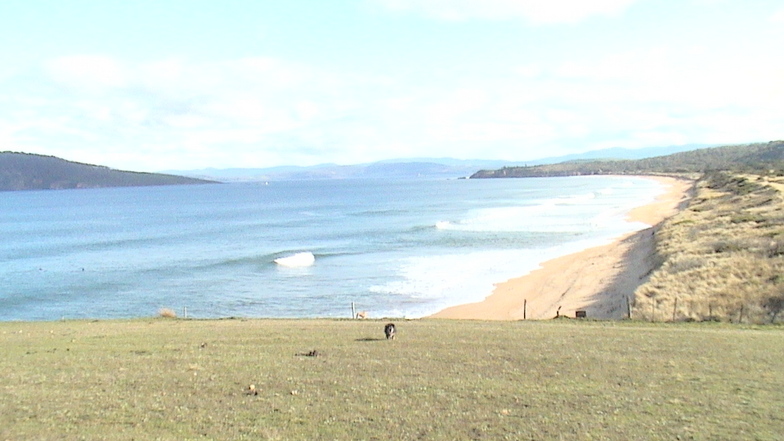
(599, 280)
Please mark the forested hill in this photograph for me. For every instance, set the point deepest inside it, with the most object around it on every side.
(765, 157)
(23, 171)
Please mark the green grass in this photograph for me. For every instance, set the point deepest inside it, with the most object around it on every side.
(186, 379)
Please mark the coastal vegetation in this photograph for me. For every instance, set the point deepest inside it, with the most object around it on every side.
(24, 171)
(767, 157)
(175, 379)
(722, 257)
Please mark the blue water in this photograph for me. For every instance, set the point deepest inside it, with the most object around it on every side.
(395, 248)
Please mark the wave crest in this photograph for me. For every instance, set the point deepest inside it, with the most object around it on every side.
(297, 260)
(443, 225)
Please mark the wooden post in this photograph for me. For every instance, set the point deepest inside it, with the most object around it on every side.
(740, 318)
(353, 311)
(628, 308)
(674, 309)
(525, 308)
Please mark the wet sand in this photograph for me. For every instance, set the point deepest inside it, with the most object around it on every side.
(599, 280)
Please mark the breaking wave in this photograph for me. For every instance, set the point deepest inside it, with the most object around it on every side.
(297, 260)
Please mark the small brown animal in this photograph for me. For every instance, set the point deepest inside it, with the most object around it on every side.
(362, 315)
(389, 331)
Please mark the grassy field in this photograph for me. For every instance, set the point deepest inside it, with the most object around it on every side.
(176, 379)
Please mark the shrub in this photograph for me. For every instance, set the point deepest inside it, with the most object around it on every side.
(745, 217)
(683, 263)
(776, 248)
(167, 313)
(774, 305)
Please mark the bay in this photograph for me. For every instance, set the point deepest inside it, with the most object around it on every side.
(404, 248)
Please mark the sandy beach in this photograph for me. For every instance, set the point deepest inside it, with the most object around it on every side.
(597, 280)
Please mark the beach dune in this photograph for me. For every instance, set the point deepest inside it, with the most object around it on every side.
(600, 281)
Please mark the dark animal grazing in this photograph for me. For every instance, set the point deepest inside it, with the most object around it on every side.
(389, 331)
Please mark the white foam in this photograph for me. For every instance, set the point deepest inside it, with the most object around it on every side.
(427, 284)
(443, 225)
(602, 211)
(297, 260)
(531, 218)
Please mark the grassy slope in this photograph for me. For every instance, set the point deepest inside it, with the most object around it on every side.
(723, 256)
(181, 379)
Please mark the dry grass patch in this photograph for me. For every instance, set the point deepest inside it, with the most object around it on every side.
(721, 258)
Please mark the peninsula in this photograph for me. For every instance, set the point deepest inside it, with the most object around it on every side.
(25, 171)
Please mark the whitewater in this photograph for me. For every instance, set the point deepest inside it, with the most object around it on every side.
(405, 248)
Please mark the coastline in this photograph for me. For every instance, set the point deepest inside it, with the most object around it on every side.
(597, 280)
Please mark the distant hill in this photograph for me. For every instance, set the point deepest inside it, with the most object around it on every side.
(398, 169)
(24, 171)
(767, 157)
(405, 168)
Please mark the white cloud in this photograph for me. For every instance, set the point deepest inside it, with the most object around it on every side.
(186, 121)
(163, 73)
(307, 110)
(778, 16)
(91, 108)
(535, 11)
(681, 78)
(87, 71)
(259, 111)
(459, 102)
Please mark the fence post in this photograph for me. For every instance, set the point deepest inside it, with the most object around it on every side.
(353, 311)
(525, 309)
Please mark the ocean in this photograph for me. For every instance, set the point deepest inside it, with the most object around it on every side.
(402, 248)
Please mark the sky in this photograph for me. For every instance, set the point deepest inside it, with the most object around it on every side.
(152, 85)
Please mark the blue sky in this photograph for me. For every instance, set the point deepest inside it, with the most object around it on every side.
(155, 85)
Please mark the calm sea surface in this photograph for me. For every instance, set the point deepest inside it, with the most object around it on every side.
(396, 248)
